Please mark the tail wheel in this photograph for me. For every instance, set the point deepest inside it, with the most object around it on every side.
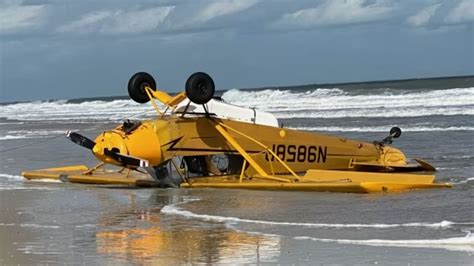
(395, 132)
(137, 84)
(200, 88)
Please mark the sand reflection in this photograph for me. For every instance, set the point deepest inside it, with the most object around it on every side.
(150, 237)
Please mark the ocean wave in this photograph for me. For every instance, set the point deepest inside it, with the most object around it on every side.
(115, 110)
(336, 103)
(12, 123)
(329, 99)
(10, 137)
(465, 243)
(29, 134)
(174, 210)
(367, 112)
(12, 177)
(381, 129)
(458, 156)
(323, 103)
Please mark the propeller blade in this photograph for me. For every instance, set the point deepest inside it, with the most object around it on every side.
(80, 140)
(163, 180)
(126, 159)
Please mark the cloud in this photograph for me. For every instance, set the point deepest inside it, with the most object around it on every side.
(185, 16)
(444, 14)
(15, 17)
(337, 12)
(87, 23)
(423, 17)
(138, 21)
(119, 21)
(222, 8)
(197, 16)
(177, 18)
(462, 13)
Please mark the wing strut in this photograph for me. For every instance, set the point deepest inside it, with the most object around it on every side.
(262, 174)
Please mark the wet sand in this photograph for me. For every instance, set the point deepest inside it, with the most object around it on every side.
(88, 225)
(12, 234)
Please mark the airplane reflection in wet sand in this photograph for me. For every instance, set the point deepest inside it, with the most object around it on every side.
(146, 236)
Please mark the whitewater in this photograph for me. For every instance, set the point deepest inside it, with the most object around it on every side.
(316, 103)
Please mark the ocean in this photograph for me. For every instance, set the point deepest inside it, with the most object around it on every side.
(61, 223)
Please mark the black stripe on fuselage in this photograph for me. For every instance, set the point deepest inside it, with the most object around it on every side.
(208, 150)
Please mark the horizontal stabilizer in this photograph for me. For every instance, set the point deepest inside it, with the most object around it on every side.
(375, 166)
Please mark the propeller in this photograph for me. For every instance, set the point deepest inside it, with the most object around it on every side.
(80, 140)
(124, 159)
(159, 174)
(162, 177)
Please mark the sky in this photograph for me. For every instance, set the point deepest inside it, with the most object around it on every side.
(60, 49)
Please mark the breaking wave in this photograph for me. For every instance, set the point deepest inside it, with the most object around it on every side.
(63, 111)
(334, 103)
(313, 103)
(28, 134)
(322, 99)
(377, 112)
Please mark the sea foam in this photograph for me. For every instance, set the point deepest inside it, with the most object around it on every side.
(313, 103)
(465, 243)
(29, 134)
(11, 177)
(173, 209)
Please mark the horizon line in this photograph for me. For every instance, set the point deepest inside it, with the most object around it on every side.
(265, 87)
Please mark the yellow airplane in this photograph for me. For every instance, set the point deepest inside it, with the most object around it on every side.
(198, 141)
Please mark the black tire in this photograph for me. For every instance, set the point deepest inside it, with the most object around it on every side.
(395, 132)
(137, 84)
(200, 88)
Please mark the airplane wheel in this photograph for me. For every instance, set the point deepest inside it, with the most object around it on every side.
(200, 88)
(396, 132)
(137, 84)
